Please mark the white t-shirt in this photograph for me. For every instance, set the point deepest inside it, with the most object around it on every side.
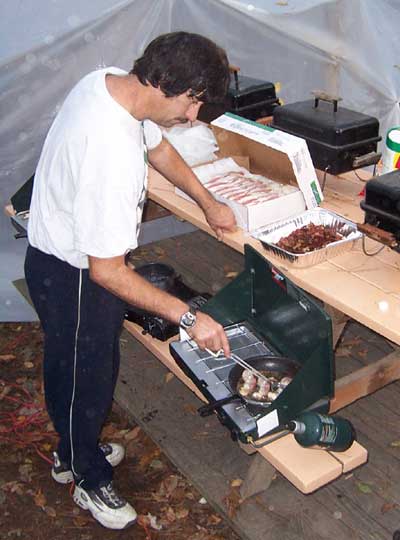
(90, 182)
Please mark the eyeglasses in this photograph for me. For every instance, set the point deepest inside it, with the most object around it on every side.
(196, 98)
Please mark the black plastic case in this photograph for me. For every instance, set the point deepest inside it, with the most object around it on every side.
(338, 139)
(382, 202)
(247, 97)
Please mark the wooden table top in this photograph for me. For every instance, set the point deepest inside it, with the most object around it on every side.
(366, 288)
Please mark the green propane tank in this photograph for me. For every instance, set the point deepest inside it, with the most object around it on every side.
(323, 431)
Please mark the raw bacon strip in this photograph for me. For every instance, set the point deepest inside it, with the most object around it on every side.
(246, 189)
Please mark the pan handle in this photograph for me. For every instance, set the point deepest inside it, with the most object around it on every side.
(208, 409)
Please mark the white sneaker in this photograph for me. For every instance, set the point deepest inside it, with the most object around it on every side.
(106, 506)
(62, 474)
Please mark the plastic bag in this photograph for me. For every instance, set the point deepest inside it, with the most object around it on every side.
(195, 144)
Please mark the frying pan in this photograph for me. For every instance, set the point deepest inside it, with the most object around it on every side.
(160, 275)
(280, 366)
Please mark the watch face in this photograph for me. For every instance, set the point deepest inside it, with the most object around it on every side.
(188, 320)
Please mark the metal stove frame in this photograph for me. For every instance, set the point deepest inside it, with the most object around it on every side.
(279, 318)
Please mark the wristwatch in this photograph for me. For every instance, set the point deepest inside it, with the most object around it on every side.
(188, 319)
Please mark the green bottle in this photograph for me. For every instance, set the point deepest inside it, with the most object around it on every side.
(321, 430)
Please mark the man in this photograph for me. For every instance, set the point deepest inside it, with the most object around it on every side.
(86, 208)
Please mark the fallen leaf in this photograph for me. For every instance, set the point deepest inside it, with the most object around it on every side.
(29, 365)
(202, 534)
(214, 519)
(40, 499)
(363, 487)
(170, 515)
(156, 464)
(50, 511)
(80, 521)
(231, 275)
(170, 484)
(190, 409)
(111, 432)
(148, 520)
(4, 392)
(153, 522)
(352, 342)
(232, 501)
(168, 377)
(132, 434)
(13, 487)
(236, 482)
(386, 507)
(146, 459)
(46, 447)
(28, 411)
(343, 351)
(182, 513)
(7, 357)
(25, 472)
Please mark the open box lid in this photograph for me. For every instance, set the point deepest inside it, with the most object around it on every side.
(278, 155)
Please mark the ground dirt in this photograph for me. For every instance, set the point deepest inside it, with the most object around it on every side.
(33, 506)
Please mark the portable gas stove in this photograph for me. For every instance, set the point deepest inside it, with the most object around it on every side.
(264, 315)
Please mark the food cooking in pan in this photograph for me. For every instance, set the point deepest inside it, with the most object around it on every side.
(309, 238)
(265, 388)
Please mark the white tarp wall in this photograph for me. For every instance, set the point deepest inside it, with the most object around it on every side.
(349, 48)
(345, 47)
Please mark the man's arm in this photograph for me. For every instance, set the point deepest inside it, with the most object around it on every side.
(169, 163)
(116, 277)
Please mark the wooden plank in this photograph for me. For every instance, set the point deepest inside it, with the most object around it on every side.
(365, 381)
(339, 321)
(353, 457)
(307, 469)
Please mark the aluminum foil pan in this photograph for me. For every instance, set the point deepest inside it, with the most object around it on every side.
(270, 235)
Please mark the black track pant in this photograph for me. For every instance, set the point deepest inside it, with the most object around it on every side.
(81, 323)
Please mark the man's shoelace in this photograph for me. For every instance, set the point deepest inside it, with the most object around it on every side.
(111, 497)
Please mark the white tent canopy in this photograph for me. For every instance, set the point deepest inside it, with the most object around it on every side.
(349, 48)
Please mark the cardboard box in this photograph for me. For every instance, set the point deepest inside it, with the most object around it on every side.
(279, 156)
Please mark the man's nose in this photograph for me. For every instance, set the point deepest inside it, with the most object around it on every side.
(193, 111)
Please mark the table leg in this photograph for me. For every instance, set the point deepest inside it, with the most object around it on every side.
(339, 321)
(366, 380)
(258, 478)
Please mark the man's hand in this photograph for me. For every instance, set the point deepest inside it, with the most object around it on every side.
(168, 162)
(208, 334)
(220, 218)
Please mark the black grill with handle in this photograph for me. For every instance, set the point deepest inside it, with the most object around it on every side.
(339, 139)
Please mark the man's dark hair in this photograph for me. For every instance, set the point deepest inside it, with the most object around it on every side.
(181, 61)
